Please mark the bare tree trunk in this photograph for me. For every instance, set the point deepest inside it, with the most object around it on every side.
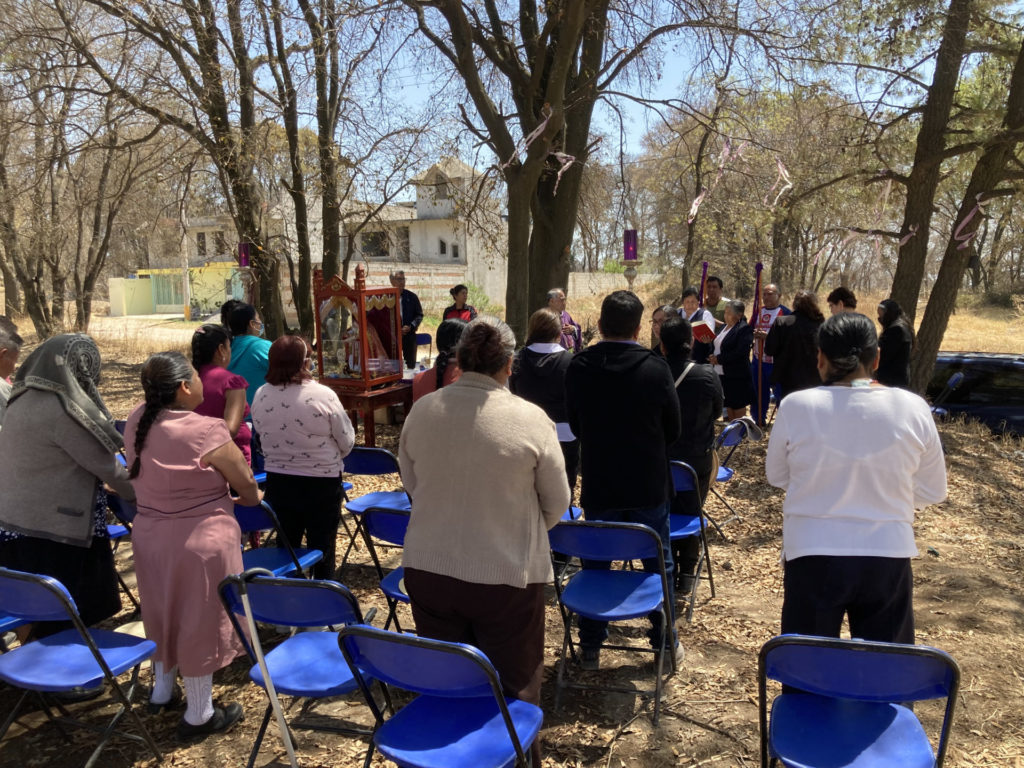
(931, 141)
(988, 172)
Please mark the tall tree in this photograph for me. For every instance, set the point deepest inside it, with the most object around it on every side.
(545, 70)
(194, 72)
(992, 168)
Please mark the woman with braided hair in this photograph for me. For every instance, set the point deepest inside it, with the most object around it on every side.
(185, 538)
(57, 449)
(856, 459)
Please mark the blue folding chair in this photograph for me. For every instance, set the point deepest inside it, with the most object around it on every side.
(684, 477)
(124, 512)
(388, 526)
(74, 658)
(282, 560)
(307, 665)
(730, 438)
(424, 340)
(849, 710)
(613, 595)
(371, 462)
(461, 719)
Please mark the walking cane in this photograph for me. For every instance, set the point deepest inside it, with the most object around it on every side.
(257, 648)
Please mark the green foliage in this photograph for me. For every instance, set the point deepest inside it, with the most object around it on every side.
(484, 306)
(613, 266)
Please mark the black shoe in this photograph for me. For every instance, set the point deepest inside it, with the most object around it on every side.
(590, 659)
(223, 718)
(175, 702)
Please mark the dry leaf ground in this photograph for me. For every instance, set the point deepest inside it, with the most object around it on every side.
(968, 602)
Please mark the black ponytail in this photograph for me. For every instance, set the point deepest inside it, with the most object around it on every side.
(848, 341)
(206, 341)
(161, 376)
(447, 338)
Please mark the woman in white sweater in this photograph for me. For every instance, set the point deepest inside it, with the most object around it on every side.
(305, 433)
(856, 459)
(487, 479)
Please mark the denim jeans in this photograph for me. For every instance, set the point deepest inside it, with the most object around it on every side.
(593, 633)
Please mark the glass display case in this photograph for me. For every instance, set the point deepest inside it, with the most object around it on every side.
(358, 333)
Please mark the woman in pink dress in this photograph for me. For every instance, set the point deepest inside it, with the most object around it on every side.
(185, 538)
(223, 391)
(446, 368)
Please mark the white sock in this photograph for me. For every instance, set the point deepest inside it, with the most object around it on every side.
(199, 698)
(163, 683)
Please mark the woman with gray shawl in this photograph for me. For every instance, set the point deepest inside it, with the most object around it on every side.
(57, 449)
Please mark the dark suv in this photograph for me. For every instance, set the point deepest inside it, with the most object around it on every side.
(992, 390)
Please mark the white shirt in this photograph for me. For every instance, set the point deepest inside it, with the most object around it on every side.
(855, 463)
(700, 314)
(718, 346)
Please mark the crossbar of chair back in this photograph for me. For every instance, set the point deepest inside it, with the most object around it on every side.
(418, 664)
(859, 669)
(684, 477)
(370, 461)
(262, 518)
(387, 525)
(605, 541)
(287, 602)
(32, 597)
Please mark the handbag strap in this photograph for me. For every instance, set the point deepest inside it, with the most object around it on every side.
(686, 370)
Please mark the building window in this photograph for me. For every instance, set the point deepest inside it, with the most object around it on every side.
(442, 247)
(374, 245)
(402, 244)
(220, 243)
(201, 244)
(455, 250)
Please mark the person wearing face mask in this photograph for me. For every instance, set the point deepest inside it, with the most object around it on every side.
(249, 350)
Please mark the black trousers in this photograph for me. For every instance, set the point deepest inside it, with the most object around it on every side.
(409, 348)
(875, 593)
(309, 506)
(571, 454)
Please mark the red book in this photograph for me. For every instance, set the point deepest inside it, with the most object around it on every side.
(703, 332)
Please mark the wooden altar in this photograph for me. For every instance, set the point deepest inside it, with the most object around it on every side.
(359, 346)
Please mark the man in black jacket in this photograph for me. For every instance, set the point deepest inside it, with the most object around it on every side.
(623, 408)
(412, 316)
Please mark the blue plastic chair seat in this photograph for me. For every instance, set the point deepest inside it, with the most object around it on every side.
(307, 664)
(442, 732)
(115, 531)
(613, 595)
(390, 499)
(260, 478)
(346, 486)
(724, 474)
(62, 661)
(809, 731)
(572, 513)
(390, 585)
(277, 561)
(683, 526)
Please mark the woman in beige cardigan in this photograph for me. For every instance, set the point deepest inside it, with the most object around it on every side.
(487, 479)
